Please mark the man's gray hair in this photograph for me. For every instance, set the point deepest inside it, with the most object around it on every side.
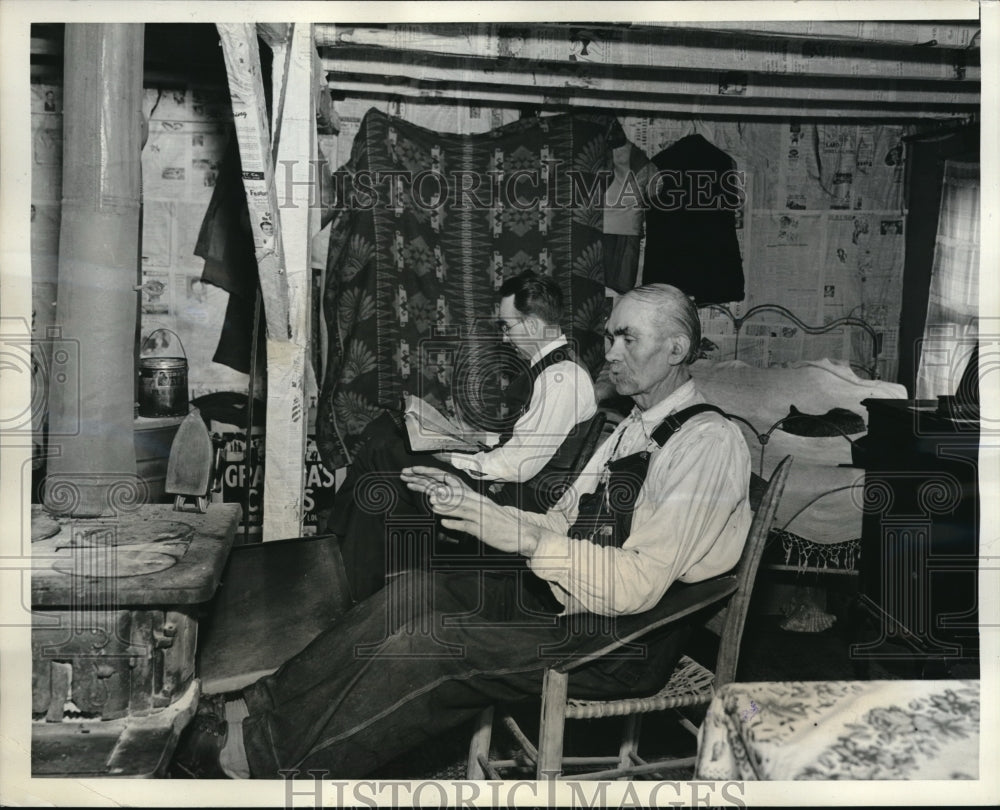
(674, 313)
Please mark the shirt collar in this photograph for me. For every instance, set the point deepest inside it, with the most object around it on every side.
(682, 396)
(548, 348)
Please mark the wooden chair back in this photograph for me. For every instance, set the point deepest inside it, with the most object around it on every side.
(746, 573)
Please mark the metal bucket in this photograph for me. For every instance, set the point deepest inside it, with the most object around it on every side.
(163, 382)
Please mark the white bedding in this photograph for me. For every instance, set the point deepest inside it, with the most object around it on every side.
(822, 500)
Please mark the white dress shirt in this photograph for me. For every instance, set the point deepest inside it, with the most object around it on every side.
(690, 522)
(561, 397)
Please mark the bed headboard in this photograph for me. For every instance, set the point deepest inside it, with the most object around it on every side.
(739, 321)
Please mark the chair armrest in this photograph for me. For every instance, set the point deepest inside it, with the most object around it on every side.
(680, 601)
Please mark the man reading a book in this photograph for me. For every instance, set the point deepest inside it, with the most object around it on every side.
(432, 649)
(550, 403)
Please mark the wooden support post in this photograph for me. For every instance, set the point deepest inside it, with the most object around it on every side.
(274, 34)
(281, 186)
(246, 89)
(288, 365)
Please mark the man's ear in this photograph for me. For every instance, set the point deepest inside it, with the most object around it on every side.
(680, 345)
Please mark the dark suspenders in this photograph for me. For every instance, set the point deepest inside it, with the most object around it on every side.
(605, 515)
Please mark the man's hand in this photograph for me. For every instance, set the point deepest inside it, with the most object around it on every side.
(463, 510)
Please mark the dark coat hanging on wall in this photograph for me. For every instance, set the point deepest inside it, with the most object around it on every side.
(691, 224)
(225, 242)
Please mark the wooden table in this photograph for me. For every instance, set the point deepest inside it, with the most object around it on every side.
(841, 730)
(116, 605)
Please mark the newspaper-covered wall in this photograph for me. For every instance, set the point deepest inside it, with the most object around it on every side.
(188, 132)
(821, 233)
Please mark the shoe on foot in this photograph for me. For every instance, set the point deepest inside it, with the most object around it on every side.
(197, 754)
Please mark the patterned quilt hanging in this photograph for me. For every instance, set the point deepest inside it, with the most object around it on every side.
(430, 225)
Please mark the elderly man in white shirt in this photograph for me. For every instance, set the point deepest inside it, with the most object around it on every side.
(550, 404)
(684, 496)
(430, 650)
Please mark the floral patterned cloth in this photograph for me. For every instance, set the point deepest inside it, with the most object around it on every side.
(842, 730)
(411, 280)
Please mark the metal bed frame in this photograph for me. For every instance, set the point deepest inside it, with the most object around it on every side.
(871, 370)
(739, 321)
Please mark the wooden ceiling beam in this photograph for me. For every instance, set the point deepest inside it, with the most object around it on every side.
(695, 50)
(931, 34)
(725, 106)
(557, 81)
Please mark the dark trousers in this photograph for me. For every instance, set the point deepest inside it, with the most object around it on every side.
(422, 656)
(384, 527)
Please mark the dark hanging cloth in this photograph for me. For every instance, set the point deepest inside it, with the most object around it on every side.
(625, 204)
(411, 288)
(690, 238)
(621, 260)
(225, 242)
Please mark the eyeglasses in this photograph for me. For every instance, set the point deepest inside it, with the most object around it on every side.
(504, 326)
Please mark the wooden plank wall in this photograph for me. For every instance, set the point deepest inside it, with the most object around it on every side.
(859, 70)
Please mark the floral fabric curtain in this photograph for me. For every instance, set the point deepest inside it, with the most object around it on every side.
(952, 325)
(430, 225)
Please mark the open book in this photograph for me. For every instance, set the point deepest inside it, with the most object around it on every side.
(429, 430)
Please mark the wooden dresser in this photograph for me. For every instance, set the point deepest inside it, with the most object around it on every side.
(920, 536)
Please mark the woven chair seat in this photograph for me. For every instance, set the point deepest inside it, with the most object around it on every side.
(689, 685)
